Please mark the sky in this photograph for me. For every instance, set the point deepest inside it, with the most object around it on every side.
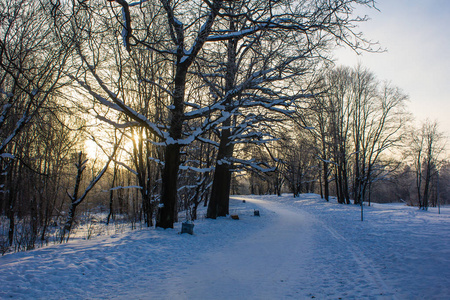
(416, 35)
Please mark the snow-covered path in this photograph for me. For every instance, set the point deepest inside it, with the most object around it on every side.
(296, 256)
(268, 264)
(300, 248)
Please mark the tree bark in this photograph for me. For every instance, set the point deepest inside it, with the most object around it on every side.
(69, 223)
(168, 203)
(220, 194)
(111, 196)
(167, 211)
(326, 188)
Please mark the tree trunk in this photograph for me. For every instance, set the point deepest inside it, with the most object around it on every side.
(169, 199)
(69, 223)
(419, 184)
(167, 208)
(220, 194)
(426, 189)
(326, 188)
(111, 196)
(10, 209)
(10, 216)
(80, 164)
(345, 184)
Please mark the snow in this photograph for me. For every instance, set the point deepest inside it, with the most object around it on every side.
(184, 58)
(7, 94)
(7, 155)
(191, 104)
(24, 120)
(207, 124)
(195, 169)
(227, 35)
(137, 3)
(123, 188)
(205, 110)
(125, 28)
(299, 248)
(177, 22)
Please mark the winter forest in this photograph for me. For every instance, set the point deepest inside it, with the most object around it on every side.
(145, 113)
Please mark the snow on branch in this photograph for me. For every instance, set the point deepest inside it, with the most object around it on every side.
(227, 35)
(208, 124)
(255, 79)
(198, 170)
(176, 28)
(137, 3)
(158, 161)
(5, 110)
(7, 94)
(281, 105)
(19, 125)
(7, 155)
(123, 188)
(204, 111)
(208, 141)
(253, 164)
(194, 105)
(97, 96)
(126, 30)
(271, 23)
(326, 160)
(94, 181)
(125, 166)
(120, 104)
(256, 138)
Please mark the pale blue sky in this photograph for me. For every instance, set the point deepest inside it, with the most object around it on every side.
(416, 34)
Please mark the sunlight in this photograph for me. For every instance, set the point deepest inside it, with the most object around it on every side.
(92, 150)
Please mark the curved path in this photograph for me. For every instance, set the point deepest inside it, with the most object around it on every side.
(295, 250)
(295, 256)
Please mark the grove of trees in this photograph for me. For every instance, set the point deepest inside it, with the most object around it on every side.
(145, 109)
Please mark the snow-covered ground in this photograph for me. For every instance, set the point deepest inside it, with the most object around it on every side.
(299, 248)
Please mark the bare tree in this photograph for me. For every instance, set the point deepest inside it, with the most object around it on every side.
(357, 119)
(75, 197)
(31, 65)
(339, 108)
(426, 148)
(177, 33)
(31, 68)
(300, 164)
(139, 34)
(281, 49)
(316, 119)
(377, 120)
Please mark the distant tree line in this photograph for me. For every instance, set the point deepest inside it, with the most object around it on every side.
(355, 141)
